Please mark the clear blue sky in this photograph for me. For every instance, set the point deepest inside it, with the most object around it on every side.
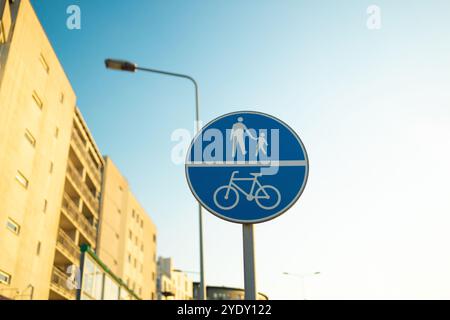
(372, 107)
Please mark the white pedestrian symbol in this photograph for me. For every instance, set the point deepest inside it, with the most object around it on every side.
(237, 137)
(266, 197)
(261, 145)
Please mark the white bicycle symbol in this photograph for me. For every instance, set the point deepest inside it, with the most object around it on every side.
(227, 197)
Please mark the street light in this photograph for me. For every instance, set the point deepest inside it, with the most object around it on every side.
(184, 271)
(121, 65)
(302, 279)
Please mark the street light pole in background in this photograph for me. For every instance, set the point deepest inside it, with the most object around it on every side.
(132, 67)
(188, 272)
(302, 279)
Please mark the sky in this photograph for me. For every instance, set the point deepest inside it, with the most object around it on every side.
(371, 106)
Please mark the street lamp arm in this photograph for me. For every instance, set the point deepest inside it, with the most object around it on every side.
(123, 65)
(167, 73)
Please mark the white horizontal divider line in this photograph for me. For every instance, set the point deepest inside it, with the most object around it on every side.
(271, 163)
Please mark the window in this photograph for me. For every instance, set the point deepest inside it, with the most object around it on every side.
(37, 100)
(142, 223)
(30, 138)
(45, 205)
(38, 249)
(135, 263)
(5, 278)
(2, 34)
(44, 63)
(61, 98)
(129, 258)
(22, 180)
(13, 226)
(57, 132)
(133, 213)
(154, 238)
(51, 167)
(117, 236)
(130, 235)
(142, 247)
(119, 211)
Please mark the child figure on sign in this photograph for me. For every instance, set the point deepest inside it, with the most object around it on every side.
(261, 145)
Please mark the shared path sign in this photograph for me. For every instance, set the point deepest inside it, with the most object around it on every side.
(247, 167)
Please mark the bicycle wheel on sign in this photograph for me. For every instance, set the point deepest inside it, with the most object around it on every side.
(226, 198)
(268, 197)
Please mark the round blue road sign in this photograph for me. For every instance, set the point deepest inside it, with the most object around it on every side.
(247, 167)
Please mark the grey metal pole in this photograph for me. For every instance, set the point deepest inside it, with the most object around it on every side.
(202, 289)
(249, 262)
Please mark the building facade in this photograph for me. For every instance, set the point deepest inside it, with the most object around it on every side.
(37, 106)
(98, 282)
(80, 206)
(172, 284)
(52, 176)
(224, 293)
(127, 235)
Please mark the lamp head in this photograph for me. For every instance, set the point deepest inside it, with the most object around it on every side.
(120, 65)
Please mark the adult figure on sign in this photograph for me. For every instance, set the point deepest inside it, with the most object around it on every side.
(237, 137)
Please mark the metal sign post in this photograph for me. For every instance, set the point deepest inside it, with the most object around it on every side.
(249, 262)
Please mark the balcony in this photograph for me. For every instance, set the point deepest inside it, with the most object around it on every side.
(68, 247)
(72, 211)
(85, 192)
(61, 284)
(5, 21)
(93, 169)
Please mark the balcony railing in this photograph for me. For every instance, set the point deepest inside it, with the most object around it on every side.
(90, 163)
(74, 213)
(62, 284)
(86, 193)
(68, 246)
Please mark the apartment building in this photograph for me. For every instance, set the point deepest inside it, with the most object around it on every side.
(172, 284)
(224, 293)
(80, 206)
(127, 236)
(36, 115)
(55, 186)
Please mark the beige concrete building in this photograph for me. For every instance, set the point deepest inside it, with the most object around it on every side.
(51, 177)
(172, 284)
(36, 114)
(79, 207)
(127, 237)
